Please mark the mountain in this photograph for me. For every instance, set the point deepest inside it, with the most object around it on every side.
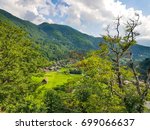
(56, 41)
(29, 27)
(140, 52)
(70, 37)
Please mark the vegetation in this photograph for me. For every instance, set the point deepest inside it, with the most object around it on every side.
(144, 66)
(56, 41)
(19, 61)
(117, 46)
(107, 85)
(45, 69)
(55, 79)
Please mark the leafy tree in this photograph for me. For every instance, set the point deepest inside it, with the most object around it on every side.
(19, 62)
(59, 100)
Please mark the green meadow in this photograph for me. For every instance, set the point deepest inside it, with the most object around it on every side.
(55, 78)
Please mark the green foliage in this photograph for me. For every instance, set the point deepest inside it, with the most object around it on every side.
(95, 87)
(54, 41)
(19, 62)
(98, 68)
(75, 71)
(126, 84)
(90, 93)
(53, 102)
(97, 97)
(58, 100)
(97, 90)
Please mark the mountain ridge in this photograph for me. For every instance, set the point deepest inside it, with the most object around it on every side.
(56, 40)
(70, 35)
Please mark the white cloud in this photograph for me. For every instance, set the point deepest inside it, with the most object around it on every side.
(91, 16)
(32, 10)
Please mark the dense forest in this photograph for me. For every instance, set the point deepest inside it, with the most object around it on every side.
(54, 68)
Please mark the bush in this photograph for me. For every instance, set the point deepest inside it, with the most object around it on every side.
(75, 71)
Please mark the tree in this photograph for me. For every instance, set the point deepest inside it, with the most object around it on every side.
(19, 61)
(93, 91)
(118, 47)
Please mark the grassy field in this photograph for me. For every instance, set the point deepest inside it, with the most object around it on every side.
(55, 78)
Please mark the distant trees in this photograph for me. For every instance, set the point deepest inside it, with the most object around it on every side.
(144, 66)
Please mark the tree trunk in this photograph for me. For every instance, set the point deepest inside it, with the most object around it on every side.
(119, 76)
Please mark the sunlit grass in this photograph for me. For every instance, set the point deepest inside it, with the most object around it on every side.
(55, 78)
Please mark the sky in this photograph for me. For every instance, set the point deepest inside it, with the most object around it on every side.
(88, 16)
(143, 5)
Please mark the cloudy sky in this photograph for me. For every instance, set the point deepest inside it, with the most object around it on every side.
(88, 16)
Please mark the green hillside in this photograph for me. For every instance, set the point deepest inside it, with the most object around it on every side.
(56, 41)
(49, 49)
(70, 37)
(144, 66)
(140, 52)
(29, 27)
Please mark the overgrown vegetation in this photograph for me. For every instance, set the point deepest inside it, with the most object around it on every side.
(19, 61)
(107, 85)
(104, 80)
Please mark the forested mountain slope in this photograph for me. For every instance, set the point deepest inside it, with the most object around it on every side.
(56, 41)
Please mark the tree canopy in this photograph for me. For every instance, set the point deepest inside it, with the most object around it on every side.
(19, 61)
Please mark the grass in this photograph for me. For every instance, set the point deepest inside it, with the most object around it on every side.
(58, 78)
(55, 78)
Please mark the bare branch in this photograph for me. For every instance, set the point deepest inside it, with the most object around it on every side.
(107, 30)
(117, 26)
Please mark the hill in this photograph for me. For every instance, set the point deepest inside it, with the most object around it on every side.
(70, 37)
(34, 30)
(140, 52)
(56, 41)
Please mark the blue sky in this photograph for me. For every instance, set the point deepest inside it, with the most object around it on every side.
(55, 1)
(88, 16)
(143, 5)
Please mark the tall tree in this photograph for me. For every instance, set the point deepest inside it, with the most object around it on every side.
(119, 46)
